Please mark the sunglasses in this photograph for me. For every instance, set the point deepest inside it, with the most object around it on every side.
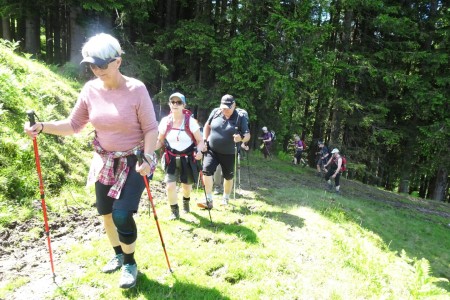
(176, 102)
(104, 66)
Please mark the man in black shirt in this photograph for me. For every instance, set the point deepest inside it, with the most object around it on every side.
(224, 128)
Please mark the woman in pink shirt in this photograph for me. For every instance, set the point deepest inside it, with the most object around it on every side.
(122, 113)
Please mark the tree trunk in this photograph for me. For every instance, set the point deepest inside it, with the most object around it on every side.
(404, 186)
(76, 35)
(49, 36)
(441, 186)
(6, 33)
(55, 15)
(32, 41)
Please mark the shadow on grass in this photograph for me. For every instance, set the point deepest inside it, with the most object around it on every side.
(242, 232)
(151, 289)
(288, 219)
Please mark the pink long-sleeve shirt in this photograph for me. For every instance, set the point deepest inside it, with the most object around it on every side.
(121, 117)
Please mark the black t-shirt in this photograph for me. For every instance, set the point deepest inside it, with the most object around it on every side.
(324, 152)
(222, 130)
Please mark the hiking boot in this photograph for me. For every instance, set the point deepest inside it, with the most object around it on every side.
(186, 208)
(224, 201)
(175, 212)
(129, 276)
(206, 205)
(113, 264)
(338, 192)
(318, 174)
(330, 186)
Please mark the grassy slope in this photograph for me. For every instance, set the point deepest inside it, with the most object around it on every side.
(284, 238)
(280, 240)
(26, 84)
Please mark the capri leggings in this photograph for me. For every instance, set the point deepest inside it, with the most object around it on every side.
(122, 209)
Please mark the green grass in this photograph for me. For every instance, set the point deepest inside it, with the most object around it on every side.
(276, 243)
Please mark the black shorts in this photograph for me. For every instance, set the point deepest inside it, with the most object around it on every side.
(298, 154)
(213, 159)
(130, 195)
(330, 173)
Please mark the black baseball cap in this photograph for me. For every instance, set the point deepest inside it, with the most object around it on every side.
(227, 101)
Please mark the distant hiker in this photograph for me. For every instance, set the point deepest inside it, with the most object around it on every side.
(266, 142)
(180, 136)
(121, 111)
(224, 128)
(323, 158)
(335, 163)
(299, 147)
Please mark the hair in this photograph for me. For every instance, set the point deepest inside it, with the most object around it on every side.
(103, 46)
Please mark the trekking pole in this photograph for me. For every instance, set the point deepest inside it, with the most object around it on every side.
(206, 197)
(248, 168)
(239, 170)
(235, 165)
(31, 115)
(139, 155)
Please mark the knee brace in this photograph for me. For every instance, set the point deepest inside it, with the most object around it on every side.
(126, 227)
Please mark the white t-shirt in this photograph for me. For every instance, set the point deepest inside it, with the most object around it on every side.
(177, 137)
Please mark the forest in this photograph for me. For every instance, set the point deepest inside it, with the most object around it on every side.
(370, 77)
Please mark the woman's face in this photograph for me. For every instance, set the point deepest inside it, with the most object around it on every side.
(176, 104)
(106, 71)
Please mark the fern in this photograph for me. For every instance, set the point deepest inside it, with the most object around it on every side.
(424, 284)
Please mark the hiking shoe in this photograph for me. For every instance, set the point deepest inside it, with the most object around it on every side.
(173, 217)
(186, 207)
(113, 264)
(206, 205)
(175, 212)
(224, 201)
(338, 192)
(129, 276)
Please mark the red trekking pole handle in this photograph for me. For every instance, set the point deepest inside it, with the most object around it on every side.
(31, 115)
(139, 155)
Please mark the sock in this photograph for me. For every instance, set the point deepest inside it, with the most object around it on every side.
(118, 250)
(209, 196)
(226, 196)
(187, 199)
(128, 259)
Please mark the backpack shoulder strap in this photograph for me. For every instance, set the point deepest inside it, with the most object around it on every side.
(169, 124)
(187, 128)
(216, 113)
(187, 117)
